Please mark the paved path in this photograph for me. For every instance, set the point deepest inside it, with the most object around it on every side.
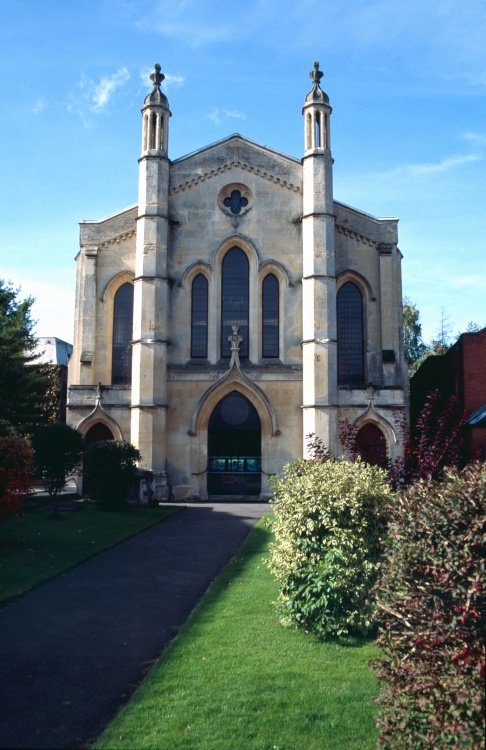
(73, 650)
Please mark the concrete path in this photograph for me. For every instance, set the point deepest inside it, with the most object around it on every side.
(73, 650)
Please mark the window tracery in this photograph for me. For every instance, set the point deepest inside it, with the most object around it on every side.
(121, 362)
(199, 317)
(270, 316)
(350, 340)
(235, 300)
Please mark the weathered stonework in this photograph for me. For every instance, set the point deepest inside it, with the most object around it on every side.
(289, 226)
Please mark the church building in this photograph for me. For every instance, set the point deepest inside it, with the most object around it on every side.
(235, 310)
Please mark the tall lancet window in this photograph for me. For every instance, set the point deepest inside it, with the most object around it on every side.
(270, 317)
(121, 361)
(199, 317)
(235, 300)
(350, 344)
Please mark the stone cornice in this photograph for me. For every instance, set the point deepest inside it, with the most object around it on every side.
(356, 236)
(118, 238)
(188, 184)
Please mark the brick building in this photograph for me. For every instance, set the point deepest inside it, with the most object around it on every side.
(460, 372)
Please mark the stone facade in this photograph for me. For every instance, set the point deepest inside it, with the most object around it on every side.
(280, 213)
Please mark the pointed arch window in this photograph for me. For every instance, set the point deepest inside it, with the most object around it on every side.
(270, 316)
(350, 344)
(121, 362)
(199, 317)
(235, 300)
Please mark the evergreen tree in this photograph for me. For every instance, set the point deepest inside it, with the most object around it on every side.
(415, 349)
(473, 327)
(444, 338)
(23, 387)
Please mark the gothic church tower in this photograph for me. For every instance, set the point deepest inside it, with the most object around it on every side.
(319, 347)
(151, 291)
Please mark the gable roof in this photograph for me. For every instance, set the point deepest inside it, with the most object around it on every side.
(242, 139)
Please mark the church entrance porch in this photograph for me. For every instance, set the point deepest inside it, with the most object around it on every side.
(234, 447)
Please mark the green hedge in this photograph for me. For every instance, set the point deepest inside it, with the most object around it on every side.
(329, 526)
(431, 615)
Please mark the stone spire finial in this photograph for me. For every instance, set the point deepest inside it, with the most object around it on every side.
(156, 96)
(316, 75)
(317, 94)
(157, 77)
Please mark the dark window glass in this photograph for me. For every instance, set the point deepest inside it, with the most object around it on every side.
(121, 364)
(235, 202)
(234, 300)
(98, 433)
(371, 445)
(350, 349)
(199, 317)
(270, 315)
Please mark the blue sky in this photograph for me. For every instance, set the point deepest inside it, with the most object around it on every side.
(406, 80)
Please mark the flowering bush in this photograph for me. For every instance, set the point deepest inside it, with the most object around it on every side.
(431, 615)
(15, 474)
(329, 528)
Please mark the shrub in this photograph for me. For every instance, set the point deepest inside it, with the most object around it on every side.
(431, 615)
(57, 452)
(15, 474)
(109, 470)
(329, 527)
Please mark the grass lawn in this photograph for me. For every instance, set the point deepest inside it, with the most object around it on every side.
(235, 679)
(36, 547)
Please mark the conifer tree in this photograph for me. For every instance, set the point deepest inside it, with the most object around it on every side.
(23, 387)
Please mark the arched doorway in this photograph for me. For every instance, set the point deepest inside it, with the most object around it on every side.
(371, 445)
(97, 433)
(234, 447)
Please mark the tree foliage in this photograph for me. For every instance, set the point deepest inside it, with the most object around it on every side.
(435, 443)
(413, 343)
(23, 387)
(15, 474)
(431, 615)
(108, 472)
(329, 527)
(57, 453)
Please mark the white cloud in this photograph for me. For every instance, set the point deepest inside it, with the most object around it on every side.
(476, 280)
(189, 21)
(173, 80)
(427, 168)
(477, 139)
(39, 106)
(445, 165)
(101, 93)
(95, 96)
(197, 34)
(218, 115)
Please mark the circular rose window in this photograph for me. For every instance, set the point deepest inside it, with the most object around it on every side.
(235, 199)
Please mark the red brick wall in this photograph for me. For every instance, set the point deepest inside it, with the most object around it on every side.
(474, 347)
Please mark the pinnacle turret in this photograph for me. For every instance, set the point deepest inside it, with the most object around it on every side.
(156, 96)
(316, 113)
(156, 113)
(317, 94)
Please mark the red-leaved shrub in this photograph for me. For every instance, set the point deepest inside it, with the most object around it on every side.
(431, 615)
(15, 474)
